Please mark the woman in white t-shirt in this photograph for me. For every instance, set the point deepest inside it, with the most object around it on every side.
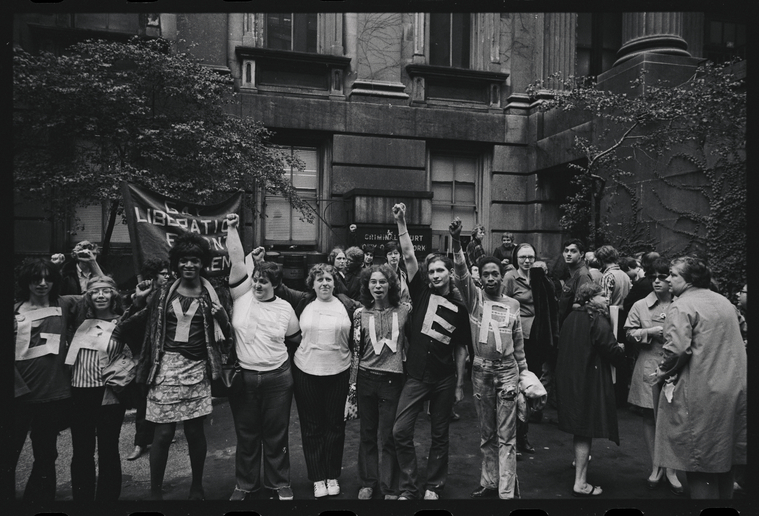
(262, 393)
(321, 370)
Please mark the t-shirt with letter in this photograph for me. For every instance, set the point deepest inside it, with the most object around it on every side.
(324, 348)
(438, 325)
(260, 328)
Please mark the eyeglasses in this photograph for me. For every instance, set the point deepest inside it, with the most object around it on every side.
(662, 277)
(523, 258)
(101, 291)
(165, 273)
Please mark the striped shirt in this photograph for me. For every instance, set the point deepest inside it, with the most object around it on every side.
(87, 370)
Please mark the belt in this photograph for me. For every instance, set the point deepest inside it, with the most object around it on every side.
(377, 373)
(501, 361)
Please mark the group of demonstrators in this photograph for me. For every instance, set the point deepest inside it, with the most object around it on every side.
(401, 337)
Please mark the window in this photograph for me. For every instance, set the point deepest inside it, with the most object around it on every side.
(454, 186)
(92, 223)
(282, 225)
(450, 39)
(291, 31)
(599, 37)
(724, 39)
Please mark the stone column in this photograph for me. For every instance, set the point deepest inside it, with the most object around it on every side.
(559, 46)
(658, 33)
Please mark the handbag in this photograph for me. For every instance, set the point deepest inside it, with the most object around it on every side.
(230, 369)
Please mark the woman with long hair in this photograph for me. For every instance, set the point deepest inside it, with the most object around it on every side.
(379, 337)
(701, 412)
(584, 388)
(394, 258)
(42, 380)
(321, 370)
(186, 329)
(96, 413)
(644, 329)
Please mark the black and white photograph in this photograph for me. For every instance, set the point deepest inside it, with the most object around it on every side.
(350, 258)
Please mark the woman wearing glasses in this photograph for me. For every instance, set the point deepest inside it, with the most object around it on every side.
(645, 330)
(517, 286)
(96, 414)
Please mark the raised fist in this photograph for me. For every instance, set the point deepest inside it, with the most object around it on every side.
(455, 228)
(233, 220)
(399, 211)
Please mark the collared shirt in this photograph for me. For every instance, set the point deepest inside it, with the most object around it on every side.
(84, 277)
(438, 325)
(616, 284)
(646, 313)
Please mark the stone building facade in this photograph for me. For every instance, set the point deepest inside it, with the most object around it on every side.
(425, 108)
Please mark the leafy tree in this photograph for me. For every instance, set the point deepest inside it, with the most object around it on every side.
(106, 112)
(699, 126)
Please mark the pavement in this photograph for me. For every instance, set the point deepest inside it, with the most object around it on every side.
(545, 477)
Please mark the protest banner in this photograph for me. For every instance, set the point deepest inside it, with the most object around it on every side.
(155, 220)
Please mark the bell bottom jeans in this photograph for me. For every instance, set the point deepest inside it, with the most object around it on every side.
(378, 396)
(496, 385)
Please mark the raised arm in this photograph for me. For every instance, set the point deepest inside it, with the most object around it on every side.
(462, 279)
(412, 266)
(234, 247)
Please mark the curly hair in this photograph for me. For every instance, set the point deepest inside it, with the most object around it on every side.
(694, 271)
(585, 293)
(318, 270)
(484, 260)
(152, 267)
(394, 286)
(476, 229)
(189, 244)
(32, 271)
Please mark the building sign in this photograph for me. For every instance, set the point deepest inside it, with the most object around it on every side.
(154, 221)
(379, 235)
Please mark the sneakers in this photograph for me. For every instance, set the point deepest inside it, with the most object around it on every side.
(431, 495)
(333, 488)
(393, 497)
(285, 493)
(365, 493)
(238, 495)
(320, 489)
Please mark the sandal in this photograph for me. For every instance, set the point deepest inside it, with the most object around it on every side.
(592, 492)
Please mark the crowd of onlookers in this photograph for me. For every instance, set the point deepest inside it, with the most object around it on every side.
(587, 332)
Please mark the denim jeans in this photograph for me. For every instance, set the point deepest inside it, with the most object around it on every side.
(441, 395)
(261, 412)
(496, 385)
(378, 395)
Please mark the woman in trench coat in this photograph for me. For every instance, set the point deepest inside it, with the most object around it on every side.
(701, 416)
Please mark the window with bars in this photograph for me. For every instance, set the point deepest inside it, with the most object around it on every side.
(455, 181)
(282, 224)
(291, 31)
(450, 39)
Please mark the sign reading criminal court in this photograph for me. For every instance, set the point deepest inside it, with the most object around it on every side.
(155, 220)
(380, 235)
